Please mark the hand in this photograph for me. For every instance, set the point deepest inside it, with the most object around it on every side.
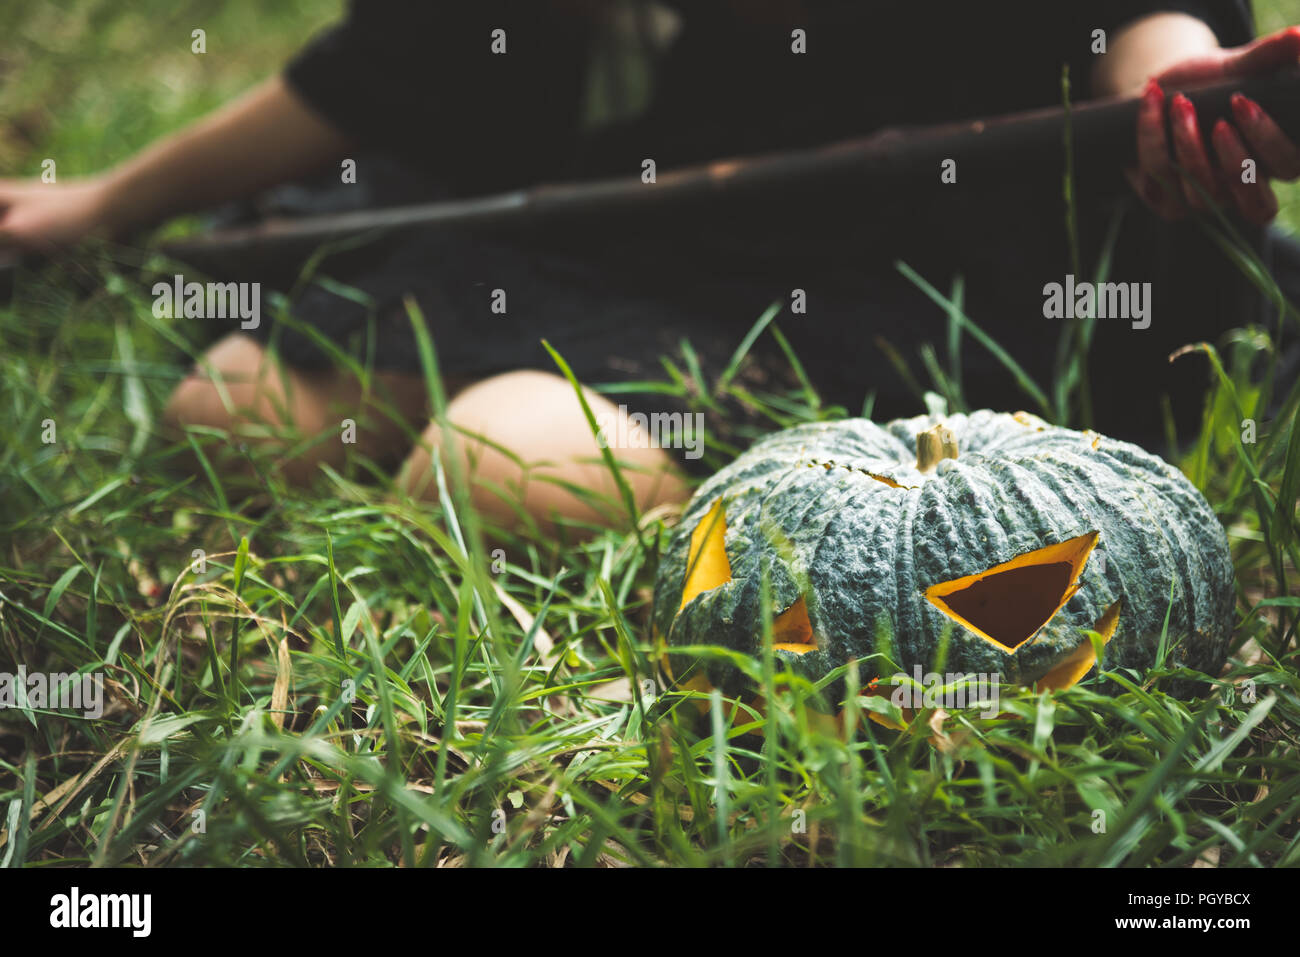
(1252, 135)
(45, 217)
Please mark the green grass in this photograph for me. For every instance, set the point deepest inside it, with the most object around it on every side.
(354, 678)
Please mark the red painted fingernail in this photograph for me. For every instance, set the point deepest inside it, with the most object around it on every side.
(1245, 109)
(1185, 113)
(1222, 131)
(1153, 95)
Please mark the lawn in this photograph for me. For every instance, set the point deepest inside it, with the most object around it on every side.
(347, 677)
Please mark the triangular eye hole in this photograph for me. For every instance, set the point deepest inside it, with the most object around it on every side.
(1007, 604)
(707, 566)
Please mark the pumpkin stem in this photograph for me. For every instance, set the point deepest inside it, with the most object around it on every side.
(933, 446)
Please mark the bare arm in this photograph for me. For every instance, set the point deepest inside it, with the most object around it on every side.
(1145, 47)
(265, 137)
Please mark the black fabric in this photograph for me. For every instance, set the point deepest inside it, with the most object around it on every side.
(421, 78)
(420, 82)
(731, 85)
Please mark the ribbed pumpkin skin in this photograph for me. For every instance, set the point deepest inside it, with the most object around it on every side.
(862, 553)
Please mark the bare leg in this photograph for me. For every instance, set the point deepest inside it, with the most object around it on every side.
(298, 415)
(537, 418)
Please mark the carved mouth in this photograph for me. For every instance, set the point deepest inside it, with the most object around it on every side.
(1080, 661)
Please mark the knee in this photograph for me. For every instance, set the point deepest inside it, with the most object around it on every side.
(529, 446)
(198, 400)
(194, 402)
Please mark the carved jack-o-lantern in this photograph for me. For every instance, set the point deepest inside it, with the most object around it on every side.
(1006, 537)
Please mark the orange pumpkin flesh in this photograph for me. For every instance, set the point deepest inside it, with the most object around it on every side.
(1071, 671)
(707, 565)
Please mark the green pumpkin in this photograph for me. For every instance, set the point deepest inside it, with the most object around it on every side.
(1000, 537)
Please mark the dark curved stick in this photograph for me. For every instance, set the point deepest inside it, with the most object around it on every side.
(1103, 132)
(894, 159)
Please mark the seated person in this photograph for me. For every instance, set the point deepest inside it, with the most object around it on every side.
(470, 112)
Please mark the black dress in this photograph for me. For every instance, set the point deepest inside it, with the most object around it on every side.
(419, 84)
